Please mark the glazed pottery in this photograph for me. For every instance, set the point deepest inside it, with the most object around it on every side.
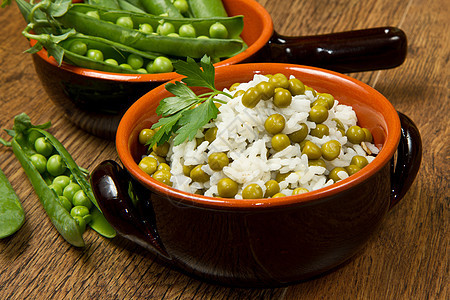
(262, 242)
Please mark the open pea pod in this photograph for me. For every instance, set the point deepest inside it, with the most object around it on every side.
(109, 49)
(12, 215)
(77, 18)
(59, 216)
(100, 226)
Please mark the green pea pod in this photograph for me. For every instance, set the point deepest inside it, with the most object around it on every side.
(109, 49)
(207, 8)
(100, 224)
(125, 5)
(12, 215)
(161, 7)
(110, 4)
(172, 46)
(59, 216)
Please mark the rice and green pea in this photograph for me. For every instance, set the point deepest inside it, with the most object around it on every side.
(275, 137)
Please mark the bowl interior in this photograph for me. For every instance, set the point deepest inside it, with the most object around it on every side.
(258, 29)
(373, 110)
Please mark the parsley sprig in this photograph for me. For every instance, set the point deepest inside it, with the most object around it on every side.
(185, 113)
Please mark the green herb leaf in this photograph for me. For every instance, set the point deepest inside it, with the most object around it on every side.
(185, 97)
(185, 113)
(195, 76)
(194, 119)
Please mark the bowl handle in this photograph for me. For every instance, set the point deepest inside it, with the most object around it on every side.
(405, 165)
(126, 205)
(346, 52)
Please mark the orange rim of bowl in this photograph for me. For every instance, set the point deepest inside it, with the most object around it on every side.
(128, 124)
(257, 10)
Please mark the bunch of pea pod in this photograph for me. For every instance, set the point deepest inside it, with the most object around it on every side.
(132, 36)
(61, 185)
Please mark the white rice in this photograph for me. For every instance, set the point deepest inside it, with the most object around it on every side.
(241, 134)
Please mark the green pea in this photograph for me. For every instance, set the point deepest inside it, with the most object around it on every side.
(299, 135)
(145, 135)
(352, 169)
(322, 102)
(181, 5)
(146, 28)
(251, 97)
(111, 61)
(187, 170)
(187, 30)
(320, 131)
(313, 91)
(80, 199)
(282, 176)
(239, 93)
(334, 174)
(148, 164)
(266, 89)
(198, 175)
(210, 134)
(57, 188)
(163, 176)
(296, 87)
(39, 162)
(355, 135)
(272, 187)
(311, 150)
(274, 124)
(279, 81)
(218, 31)
(43, 147)
(280, 141)
(65, 203)
(135, 61)
(126, 66)
(278, 195)
(328, 98)
(368, 135)
(55, 165)
(161, 65)
(174, 34)
(157, 157)
(79, 211)
(318, 114)
(161, 150)
(61, 180)
(331, 150)
(299, 191)
(234, 86)
(165, 28)
(252, 191)
(95, 54)
(282, 97)
(203, 37)
(163, 166)
(218, 160)
(142, 70)
(126, 22)
(70, 190)
(359, 161)
(317, 163)
(227, 188)
(78, 47)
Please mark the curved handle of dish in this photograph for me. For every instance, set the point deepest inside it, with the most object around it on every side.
(346, 52)
(115, 191)
(405, 166)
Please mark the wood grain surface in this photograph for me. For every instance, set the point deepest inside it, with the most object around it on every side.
(407, 258)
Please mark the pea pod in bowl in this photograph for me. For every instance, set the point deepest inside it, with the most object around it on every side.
(61, 185)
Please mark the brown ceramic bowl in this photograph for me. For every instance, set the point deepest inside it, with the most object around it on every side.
(95, 100)
(262, 242)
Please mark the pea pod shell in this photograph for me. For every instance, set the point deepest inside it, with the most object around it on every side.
(100, 224)
(175, 46)
(12, 215)
(60, 217)
(159, 7)
(207, 8)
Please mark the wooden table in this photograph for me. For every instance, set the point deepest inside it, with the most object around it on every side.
(407, 258)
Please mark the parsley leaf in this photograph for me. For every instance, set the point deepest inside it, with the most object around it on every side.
(186, 112)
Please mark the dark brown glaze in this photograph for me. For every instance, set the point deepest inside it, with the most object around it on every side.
(346, 52)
